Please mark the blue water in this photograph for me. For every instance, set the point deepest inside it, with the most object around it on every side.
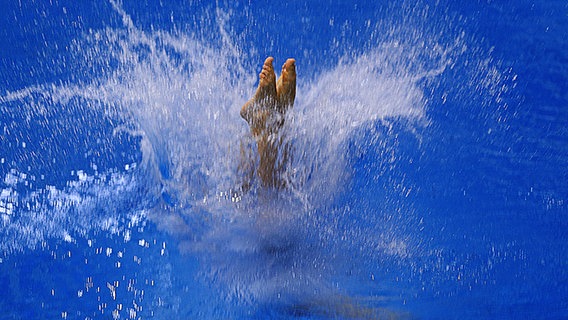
(429, 178)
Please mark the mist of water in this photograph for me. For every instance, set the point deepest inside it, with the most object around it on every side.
(176, 99)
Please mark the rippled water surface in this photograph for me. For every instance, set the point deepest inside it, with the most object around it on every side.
(428, 176)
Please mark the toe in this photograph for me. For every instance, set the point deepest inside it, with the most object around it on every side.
(289, 64)
(268, 61)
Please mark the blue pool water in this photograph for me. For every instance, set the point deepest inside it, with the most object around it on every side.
(429, 176)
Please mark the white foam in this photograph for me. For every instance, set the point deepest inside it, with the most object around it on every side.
(181, 97)
(185, 107)
(76, 210)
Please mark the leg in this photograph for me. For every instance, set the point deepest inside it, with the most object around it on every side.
(264, 114)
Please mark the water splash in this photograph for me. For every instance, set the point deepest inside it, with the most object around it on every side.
(176, 99)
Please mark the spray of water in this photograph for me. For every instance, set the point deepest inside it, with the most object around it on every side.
(177, 98)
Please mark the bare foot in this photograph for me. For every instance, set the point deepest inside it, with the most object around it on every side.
(265, 115)
(286, 86)
(257, 109)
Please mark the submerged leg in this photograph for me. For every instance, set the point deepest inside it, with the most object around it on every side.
(265, 115)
